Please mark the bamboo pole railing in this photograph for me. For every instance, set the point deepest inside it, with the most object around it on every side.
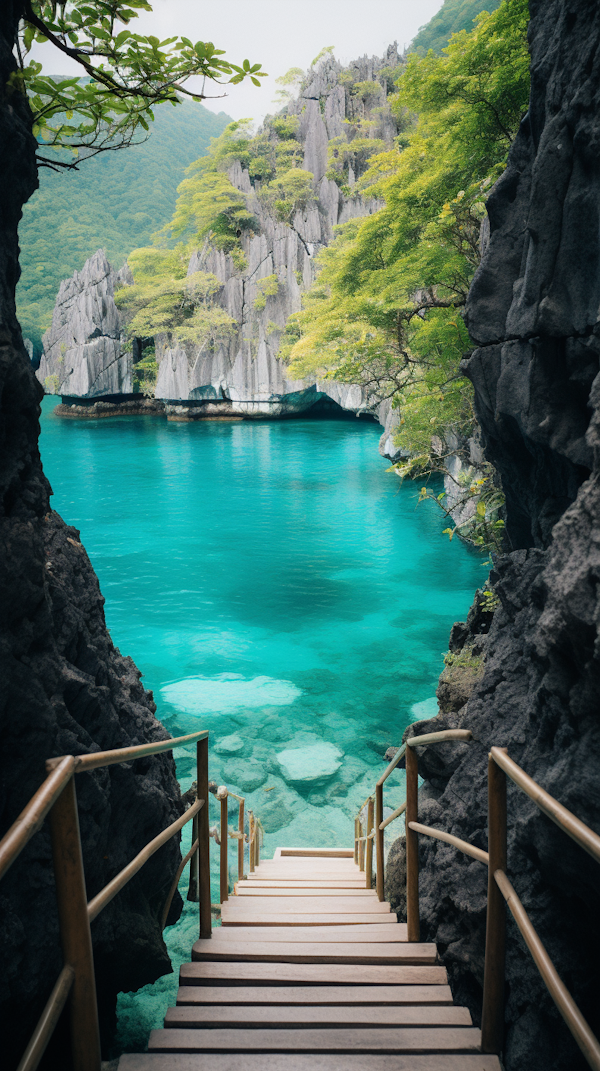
(56, 800)
(500, 890)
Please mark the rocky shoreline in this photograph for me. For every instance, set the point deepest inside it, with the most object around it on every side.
(102, 409)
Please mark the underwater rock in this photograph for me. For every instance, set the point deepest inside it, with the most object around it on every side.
(313, 762)
(244, 774)
(229, 744)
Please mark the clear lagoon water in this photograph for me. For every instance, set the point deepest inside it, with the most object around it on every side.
(277, 586)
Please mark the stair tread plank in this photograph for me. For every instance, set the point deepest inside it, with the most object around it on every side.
(386, 932)
(307, 904)
(317, 952)
(247, 916)
(325, 995)
(154, 1061)
(200, 973)
(315, 853)
(348, 1040)
(252, 890)
(300, 883)
(187, 1016)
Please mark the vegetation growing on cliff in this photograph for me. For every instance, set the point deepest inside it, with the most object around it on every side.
(216, 204)
(385, 310)
(116, 202)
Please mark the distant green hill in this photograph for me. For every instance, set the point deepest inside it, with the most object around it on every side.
(453, 16)
(115, 202)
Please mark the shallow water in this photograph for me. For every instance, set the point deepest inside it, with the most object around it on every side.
(273, 583)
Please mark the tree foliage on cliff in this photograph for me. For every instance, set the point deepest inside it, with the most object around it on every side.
(385, 309)
(116, 203)
(127, 75)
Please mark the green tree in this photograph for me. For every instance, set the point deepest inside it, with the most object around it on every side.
(127, 75)
(385, 308)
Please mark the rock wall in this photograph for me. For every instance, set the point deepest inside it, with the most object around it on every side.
(533, 313)
(83, 349)
(242, 376)
(64, 687)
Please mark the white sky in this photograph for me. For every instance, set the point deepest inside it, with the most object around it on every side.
(277, 33)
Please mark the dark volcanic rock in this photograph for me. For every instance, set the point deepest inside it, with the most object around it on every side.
(533, 311)
(64, 687)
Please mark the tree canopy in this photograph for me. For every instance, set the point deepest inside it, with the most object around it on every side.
(385, 310)
(453, 16)
(126, 75)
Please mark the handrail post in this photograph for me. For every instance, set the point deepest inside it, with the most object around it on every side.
(203, 838)
(412, 846)
(492, 1018)
(356, 836)
(361, 846)
(193, 894)
(257, 844)
(75, 929)
(241, 840)
(251, 841)
(224, 836)
(379, 843)
(369, 847)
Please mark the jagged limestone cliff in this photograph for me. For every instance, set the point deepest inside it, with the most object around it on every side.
(533, 312)
(84, 352)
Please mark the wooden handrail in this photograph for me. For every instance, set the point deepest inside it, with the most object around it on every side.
(391, 817)
(99, 902)
(448, 838)
(33, 814)
(563, 818)
(585, 1038)
(175, 882)
(47, 1020)
(419, 741)
(94, 759)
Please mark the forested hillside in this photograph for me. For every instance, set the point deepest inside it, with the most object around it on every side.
(453, 16)
(115, 201)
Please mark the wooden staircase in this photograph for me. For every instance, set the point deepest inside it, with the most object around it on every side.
(310, 972)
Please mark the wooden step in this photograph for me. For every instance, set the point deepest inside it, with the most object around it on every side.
(274, 1016)
(317, 952)
(243, 915)
(154, 1061)
(312, 865)
(389, 931)
(207, 973)
(315, 853)
(300, 883)
(364, 1040)
(322, 890)
(323, 904)
(307, 873)
(327, 995)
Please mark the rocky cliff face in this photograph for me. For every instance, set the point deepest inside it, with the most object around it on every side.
(64, 687)
(84, 354)
(533, 312)
(83, 350)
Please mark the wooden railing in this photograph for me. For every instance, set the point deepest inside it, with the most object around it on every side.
(252, 838)
(56, 799)
(500, 890)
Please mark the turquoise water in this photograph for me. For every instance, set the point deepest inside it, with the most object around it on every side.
(275, 585)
